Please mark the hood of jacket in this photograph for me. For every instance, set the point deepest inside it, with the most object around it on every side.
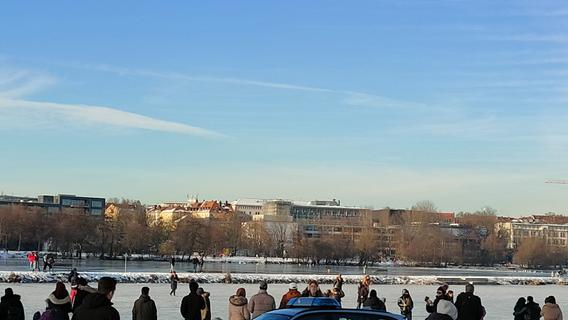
(54, 300)
(14, 297)
(550, 307)
(238, 300)
(87, 288)
(96, 300)
(144, 298)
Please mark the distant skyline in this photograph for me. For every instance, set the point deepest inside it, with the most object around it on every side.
(375, 103)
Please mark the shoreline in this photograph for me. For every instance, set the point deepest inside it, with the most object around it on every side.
(163, 277)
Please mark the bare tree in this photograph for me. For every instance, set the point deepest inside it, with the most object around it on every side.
(425, 205)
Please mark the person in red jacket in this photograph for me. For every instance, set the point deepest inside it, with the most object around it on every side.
(292, 293)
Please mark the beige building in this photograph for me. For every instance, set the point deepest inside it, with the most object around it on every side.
(554, 234)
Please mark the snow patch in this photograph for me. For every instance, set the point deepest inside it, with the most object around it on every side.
(149, 277)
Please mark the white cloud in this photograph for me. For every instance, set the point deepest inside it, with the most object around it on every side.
(351, 97)
(16, 85)
(20, 83)
(108, 116)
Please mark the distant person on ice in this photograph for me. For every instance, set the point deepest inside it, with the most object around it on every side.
(172, 263)
(11, 307)
(173, 283)
(195, 263)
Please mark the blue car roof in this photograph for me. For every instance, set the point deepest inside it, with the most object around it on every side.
(292, 312)
(314, 302)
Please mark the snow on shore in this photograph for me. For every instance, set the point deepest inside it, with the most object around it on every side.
(152, 277)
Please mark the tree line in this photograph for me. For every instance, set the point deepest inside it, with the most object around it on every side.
(417, 241)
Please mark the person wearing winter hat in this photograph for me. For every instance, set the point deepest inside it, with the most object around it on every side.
(59, 302)
(445, 311)
(440, 295)
(261, 302)
(405, 304)
(292, 293)
(238, 309)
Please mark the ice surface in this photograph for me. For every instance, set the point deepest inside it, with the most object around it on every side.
(498, 300)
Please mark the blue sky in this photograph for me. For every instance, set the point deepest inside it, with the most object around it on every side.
(376, 103)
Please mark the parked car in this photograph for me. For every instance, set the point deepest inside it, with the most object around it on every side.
(324, 309)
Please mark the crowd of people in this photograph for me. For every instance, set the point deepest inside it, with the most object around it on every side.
(84, 302)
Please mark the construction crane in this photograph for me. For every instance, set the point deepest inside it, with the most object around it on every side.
(557, 181)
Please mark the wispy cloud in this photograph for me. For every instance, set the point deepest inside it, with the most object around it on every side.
(348, 96)
(533, 37)
(19, 83)
(16, 85)
(106, 115)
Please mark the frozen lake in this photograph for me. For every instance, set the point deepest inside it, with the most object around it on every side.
(96, 265)
(498, 300)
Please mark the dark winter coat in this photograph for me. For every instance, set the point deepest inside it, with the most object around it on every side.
(206, 314)
(292, 293)
(174, 282)
(405, 304)
(96, 306)
(59, 307)
(144, 309)
(306, 293)
(375, 303)
(362, 292)
(520, 312)
(533, 309)
(81, 293)
(191, 306)
(438, 316)
(338, 283)
(469, 306)
(11, 308)
(337, 294)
